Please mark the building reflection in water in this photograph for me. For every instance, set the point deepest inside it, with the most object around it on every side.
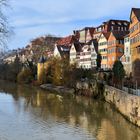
(96, 119)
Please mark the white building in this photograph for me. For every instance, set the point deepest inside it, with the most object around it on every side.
(56, 52)
(73, 54)
(88, 55)
(126, 58)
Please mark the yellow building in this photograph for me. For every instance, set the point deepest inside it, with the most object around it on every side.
(102, 49)
(41, 69)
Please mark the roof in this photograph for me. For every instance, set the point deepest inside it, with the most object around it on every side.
(91, 30)
(66, 41)
(106, 35)
(114, 20)
(86, 28)
(78, 46)
(136, 12)
(95, 43)
(120, 34)
(117, 20)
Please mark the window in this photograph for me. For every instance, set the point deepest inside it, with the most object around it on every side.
(113, 59)
(127, 59)
(131, 41)
(138, 49)
(135, 27)
(121, 42)
(120, 50)
(112, 28)
(125, 23)
(126, 49)
(118, 28)
(113, 22)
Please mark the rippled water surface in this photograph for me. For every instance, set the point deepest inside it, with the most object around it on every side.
(32, 114)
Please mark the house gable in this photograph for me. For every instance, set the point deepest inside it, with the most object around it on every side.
(56, 51)
(88, 36)
(133, 17)
(135, 14)
(72, 50)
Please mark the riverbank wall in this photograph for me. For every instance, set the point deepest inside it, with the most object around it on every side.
(128, 105)
(90, 89)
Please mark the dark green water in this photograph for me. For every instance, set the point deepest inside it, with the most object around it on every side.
(31, 114)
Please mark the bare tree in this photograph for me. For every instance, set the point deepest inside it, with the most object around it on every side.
(4, 26)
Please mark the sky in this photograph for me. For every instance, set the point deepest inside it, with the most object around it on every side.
(33, 18)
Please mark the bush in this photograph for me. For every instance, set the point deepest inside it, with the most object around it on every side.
(25, 76)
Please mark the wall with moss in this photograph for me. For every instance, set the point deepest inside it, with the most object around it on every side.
(126, 104)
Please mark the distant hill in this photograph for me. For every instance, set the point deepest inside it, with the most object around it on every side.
(39, 46)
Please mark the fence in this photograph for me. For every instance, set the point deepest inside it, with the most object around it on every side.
(132, 91)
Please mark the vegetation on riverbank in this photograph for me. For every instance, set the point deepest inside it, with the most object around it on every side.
(59, 72)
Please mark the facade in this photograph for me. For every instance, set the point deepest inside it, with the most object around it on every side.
(126, 58)
(111, 25)
(56, 52)
(115, 46)
(102, 49)
(135, 43)
(84, 55)
(41, 69)
(88, 55)
(75, 53)
(84, 35)
(63, 46)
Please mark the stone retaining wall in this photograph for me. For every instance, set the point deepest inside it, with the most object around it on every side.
(126, 104)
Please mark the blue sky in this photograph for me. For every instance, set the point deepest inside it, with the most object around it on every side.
(34, 18)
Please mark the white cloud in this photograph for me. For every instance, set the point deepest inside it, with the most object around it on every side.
(35, 17)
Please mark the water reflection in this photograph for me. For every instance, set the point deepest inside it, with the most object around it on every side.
(38, 114)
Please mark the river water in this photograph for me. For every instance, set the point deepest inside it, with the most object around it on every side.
(28, 113)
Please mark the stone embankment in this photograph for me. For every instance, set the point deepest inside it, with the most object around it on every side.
(84, 88)
(127, 104)
(58, 89)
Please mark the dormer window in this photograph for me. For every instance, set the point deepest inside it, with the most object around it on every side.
(99, 29)
(113, 22)
(112, 28)
(118, 28)
(125, 23)
(119, 23)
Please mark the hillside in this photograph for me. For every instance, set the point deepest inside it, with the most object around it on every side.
(43, 45)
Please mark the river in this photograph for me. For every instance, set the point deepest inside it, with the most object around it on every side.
(28, 113)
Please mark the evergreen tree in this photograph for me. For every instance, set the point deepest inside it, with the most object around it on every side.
(118, 72)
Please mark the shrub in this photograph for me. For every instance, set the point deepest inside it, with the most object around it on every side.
(25, 76)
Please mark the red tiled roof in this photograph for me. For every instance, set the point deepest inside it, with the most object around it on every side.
(66, 41)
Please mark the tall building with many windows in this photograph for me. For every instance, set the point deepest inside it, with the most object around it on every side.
(102, 49)
(115, 46)
(135, 42)
(126, 58)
